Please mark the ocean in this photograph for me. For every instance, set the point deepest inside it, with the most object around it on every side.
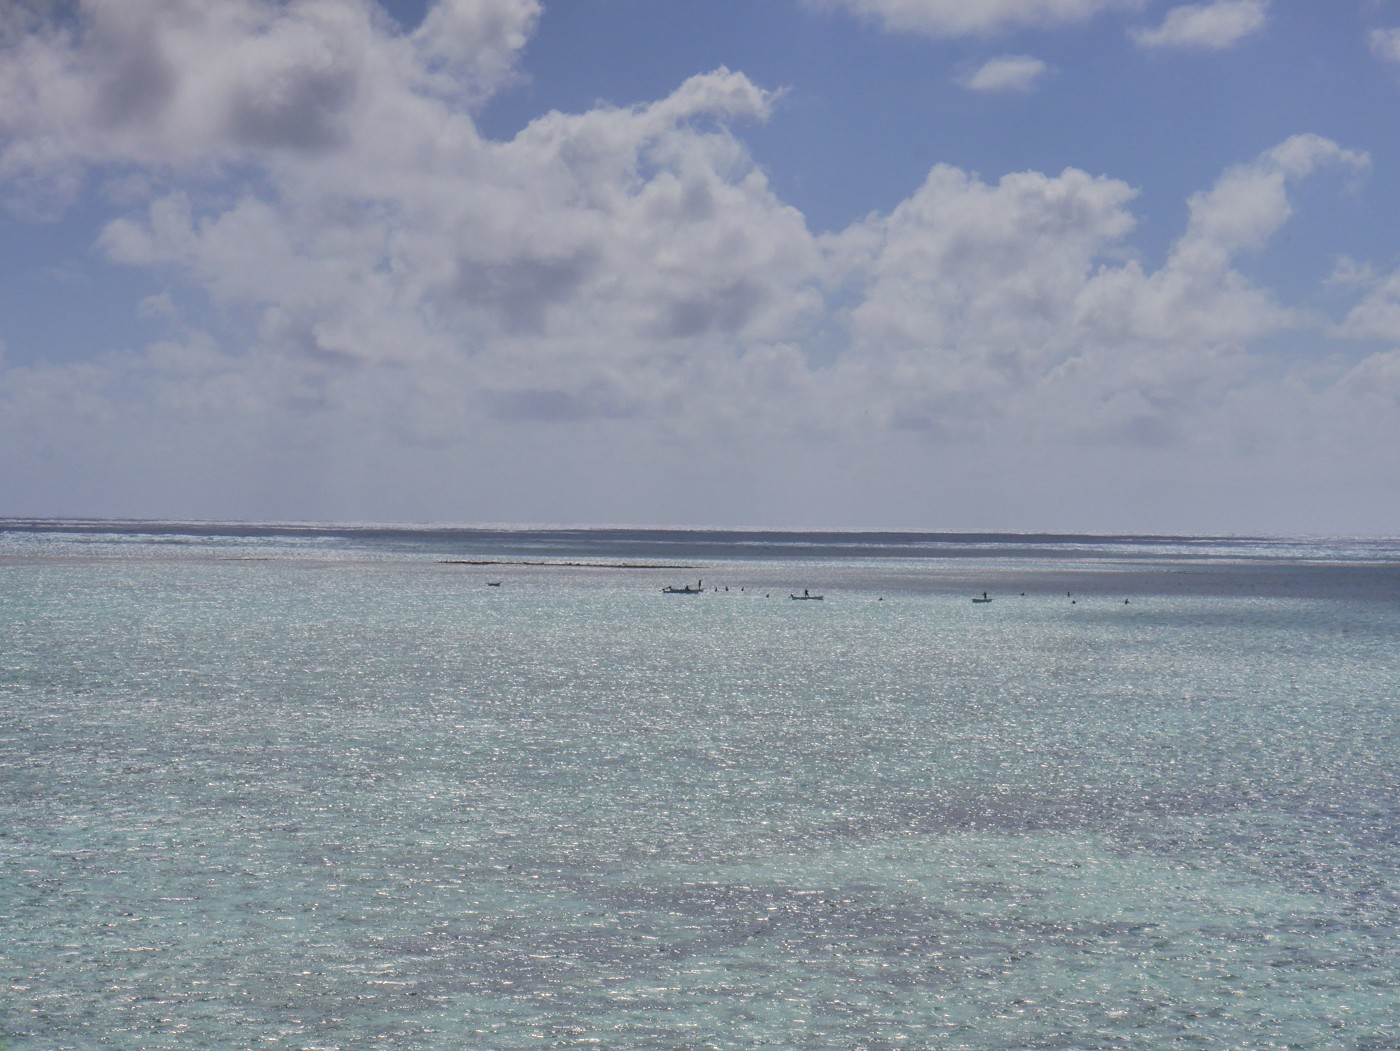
(342, 787)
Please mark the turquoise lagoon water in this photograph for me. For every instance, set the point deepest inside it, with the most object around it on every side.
(312, 787)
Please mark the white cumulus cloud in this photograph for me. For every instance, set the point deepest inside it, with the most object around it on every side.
(1385, 44)
(194, 86)
(478, 41)
(1377, 315)
(953, 18)
(1005, 73)
(1213, 26)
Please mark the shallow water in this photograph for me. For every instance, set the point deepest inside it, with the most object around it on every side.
(310, 790)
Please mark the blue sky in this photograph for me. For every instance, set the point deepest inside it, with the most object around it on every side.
(1103, 265)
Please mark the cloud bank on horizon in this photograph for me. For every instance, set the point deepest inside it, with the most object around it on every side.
(311, 285)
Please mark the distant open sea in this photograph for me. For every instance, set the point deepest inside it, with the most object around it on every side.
(345, 787)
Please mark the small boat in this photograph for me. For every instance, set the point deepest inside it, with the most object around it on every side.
(806, 596)
(493, 583)
(687, 590)
(985, 598)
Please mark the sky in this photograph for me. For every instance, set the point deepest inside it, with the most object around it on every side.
(1023, 265)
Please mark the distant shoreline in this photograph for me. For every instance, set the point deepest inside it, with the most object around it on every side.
(568, 565)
